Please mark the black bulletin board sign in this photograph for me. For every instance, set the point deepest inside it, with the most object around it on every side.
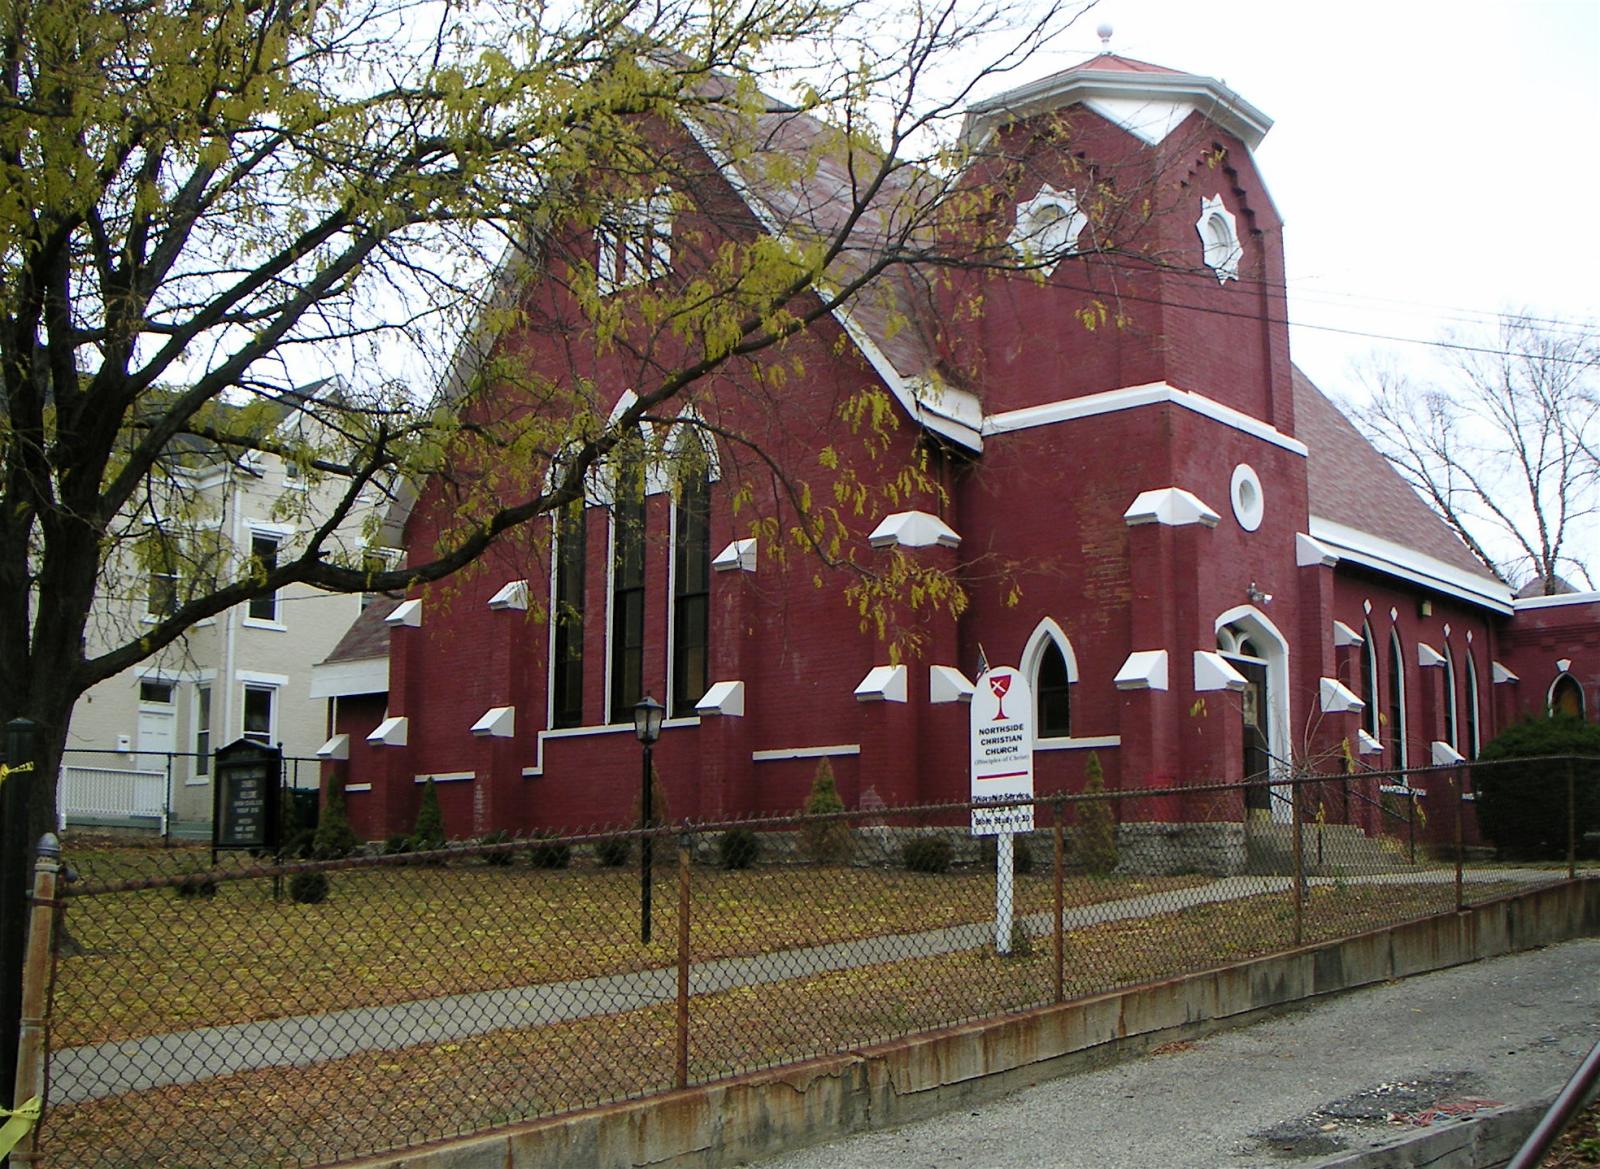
(247, 797)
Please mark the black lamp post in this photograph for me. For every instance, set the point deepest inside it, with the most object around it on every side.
(647, 717)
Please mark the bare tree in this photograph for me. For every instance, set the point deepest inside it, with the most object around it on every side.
(1503, 447)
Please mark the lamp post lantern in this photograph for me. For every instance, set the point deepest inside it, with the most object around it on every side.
(647, 715)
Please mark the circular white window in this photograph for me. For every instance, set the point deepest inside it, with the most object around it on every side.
(1247, 501)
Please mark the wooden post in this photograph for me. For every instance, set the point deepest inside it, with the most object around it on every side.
(1457, 792)
(680, 1077)
(1572, 820)
(36, 992)
(1058, 926)
(1299, 863)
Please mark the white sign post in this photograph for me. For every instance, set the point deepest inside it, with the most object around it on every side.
(1001, 743)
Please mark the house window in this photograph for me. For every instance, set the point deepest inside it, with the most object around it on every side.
(627, 591)
(635, 244)
(161, 564)
(264, 554)
(691, 600)
(567, 692)
(202, 731)
(260, 704)
(1053, 695)
(1370, 720)
(160, 693)
(1473, 731)
(1397, 702)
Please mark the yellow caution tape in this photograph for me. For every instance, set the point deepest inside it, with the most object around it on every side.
(5, 770)
(17, 1125)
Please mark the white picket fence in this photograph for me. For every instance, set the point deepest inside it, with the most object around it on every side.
(111, 793)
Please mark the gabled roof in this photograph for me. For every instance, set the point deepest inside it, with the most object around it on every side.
(882, 317)
(1355, 493)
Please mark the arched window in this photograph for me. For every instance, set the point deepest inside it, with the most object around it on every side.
(1450, 698)
(1054, 695)
(1566, 697)
(1397, 701)
(1051, 667)
(1370, 718)
(566, 692)
(1474, 732)
(691, 587)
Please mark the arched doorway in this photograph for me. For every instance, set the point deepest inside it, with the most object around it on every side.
(1254, 647)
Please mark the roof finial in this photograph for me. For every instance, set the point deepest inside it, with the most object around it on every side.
(1104, 33)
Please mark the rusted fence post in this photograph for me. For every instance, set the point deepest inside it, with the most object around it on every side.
(1458, 792)
(680, 1075)
(1058, 927)
(1572, 819)
(1298, 823)
(29, 1084)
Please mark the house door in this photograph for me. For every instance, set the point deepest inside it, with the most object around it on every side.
(157, 727)
(1256, 739)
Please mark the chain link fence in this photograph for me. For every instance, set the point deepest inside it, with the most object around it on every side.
(301, 1014)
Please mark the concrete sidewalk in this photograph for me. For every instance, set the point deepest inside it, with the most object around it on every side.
(98, 1070)
(1336, 1083)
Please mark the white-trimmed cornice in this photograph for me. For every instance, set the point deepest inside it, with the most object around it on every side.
(1149, 105)
(1521, 603)
(1408, 564)
(1132, 398)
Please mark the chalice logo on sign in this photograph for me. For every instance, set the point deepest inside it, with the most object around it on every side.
(1000, 684)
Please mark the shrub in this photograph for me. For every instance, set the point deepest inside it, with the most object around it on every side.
(928, 854)
(308, 888)
(333, 837)
(1522, 805)
(192, 889)
(550, 854)
(396, 845)
(429, 831)
(1021, 853)
(613, 851)
(1097, 822)
(500, 857)
(826, 842)
(737, 848)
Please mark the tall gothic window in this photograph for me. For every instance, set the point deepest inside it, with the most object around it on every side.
(691, 592)
(1370, 720)
(1397, 701)
(1053, 694)
(627, 590)
(567, 692)
(1450, 698)
(1473, 726)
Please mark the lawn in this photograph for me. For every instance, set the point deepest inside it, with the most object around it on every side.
(338, 1109)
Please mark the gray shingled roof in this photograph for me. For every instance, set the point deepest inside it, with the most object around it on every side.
(1352, 484)
(368, 636)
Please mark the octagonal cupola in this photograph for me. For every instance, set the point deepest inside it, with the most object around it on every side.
(1149, 101)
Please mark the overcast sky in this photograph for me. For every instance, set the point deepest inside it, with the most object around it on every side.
(1433, 162)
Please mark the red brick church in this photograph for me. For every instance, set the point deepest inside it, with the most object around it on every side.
(1203, 569)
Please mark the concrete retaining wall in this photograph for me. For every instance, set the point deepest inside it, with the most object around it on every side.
(751, 1116)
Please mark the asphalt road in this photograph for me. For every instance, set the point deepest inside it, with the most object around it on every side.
(1329, 1079)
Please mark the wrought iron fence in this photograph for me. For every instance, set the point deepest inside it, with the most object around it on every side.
(257, 1015)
